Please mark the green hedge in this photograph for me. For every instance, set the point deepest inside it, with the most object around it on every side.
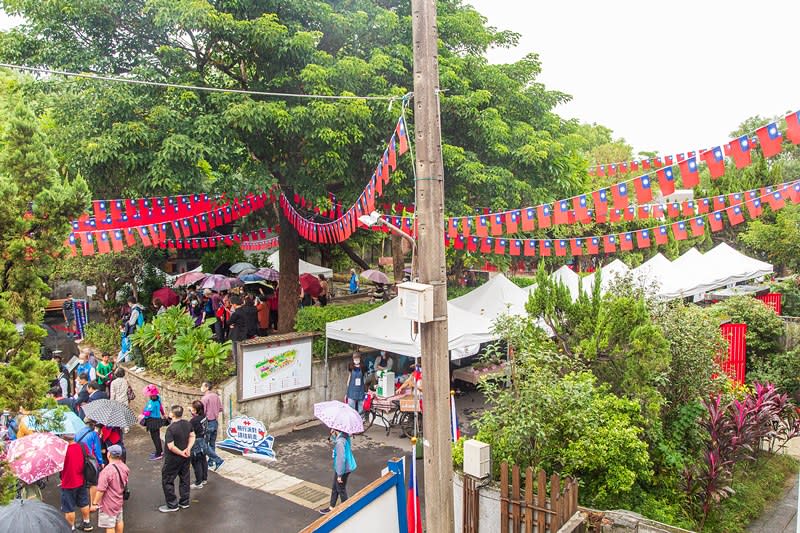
(314, 319)
(103, 337)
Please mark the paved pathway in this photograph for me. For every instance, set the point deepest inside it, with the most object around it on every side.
(782, 516)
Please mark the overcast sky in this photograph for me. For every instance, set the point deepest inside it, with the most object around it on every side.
(668, 76)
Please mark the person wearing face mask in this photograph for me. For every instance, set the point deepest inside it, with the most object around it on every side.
(356, 383)
(343, 465)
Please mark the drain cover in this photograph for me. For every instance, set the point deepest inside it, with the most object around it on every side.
(309, 494)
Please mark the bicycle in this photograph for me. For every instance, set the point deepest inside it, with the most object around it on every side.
(403, 419)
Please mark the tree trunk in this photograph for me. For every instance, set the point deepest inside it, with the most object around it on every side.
(398, 257)
(289, 284)
(353, 255)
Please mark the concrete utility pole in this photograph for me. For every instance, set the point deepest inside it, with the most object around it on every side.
(432, 270)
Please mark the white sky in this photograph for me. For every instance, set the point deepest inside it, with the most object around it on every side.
(671, 77)
(667, 76)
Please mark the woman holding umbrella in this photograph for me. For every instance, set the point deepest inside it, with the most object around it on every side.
(343, 422)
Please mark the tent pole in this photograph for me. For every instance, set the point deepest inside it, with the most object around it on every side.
(326, 368)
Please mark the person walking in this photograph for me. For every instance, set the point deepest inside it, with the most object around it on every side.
(153, 421)
(110, 496)
(199, 460)
(119, 387)
(324, 290)
(74, 493)
(212, 408)
(344, 463)
(353, 281)
(68, 308)
(356, 384)
(179, 442)
(105, 370)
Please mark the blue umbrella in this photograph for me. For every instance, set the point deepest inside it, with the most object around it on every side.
(60, 423)
(250, 278)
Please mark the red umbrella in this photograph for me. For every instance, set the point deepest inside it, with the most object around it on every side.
(310, 285)
(189, 278)
(167, 296)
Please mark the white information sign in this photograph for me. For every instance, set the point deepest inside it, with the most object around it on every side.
(269, 369)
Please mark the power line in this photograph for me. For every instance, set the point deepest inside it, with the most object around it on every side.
(134, 81)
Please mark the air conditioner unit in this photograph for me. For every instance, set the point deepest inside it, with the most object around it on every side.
(477, 459)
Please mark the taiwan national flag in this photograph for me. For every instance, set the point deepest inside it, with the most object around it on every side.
(629, 213)
(87, 244)
(794, 192)
(715, 160)
(646, 164)
(482, 228)
(529, 219)
(512, 220)
(103, 243)
(72, 243)
(644, 193)
(719, 203)
(472, 243)
(561, 248)
(413, 512)
(497, 224)
(600, 202)
(100, 209)
(703, 206)
(543, 216)
(776, 200)
(666, 180)
(458, 242)
(601, 170)
(793, 127)
(593, 246)
(402, 136)
(452, 227)
(610, 243)
(561, 214)
(674, 210)
(626, 241)
(643, 238)
(735, 198)
(679, 231)
(144, 236)
(581, 209)
(698, 226)
(690, 177)
(770, 138)
(130, 239)
(576, 247)
(612, 169)
(619, 193)
(530, 247)
(486, 245)
(515, 247)
(614, 216)
(688, 208)
(715, 221)
(634, 166)
(545, 247)
(500, 246)
(740, 151)
(659, 211)
(643, 212)
(754, 207)
(466, 226)
(661, 235)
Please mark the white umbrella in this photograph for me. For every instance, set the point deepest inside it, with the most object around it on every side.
(339, 416)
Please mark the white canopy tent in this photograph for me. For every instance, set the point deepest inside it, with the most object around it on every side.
(497, 296)
(384, 328)
(734, 267)
(305, 267)
(608, 274)
(653, 272)
(568, 277)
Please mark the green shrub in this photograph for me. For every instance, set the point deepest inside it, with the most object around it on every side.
(523, 281)
(764, 328)
(782, 369)
(314, 319)
(790, 292)
(102, 336)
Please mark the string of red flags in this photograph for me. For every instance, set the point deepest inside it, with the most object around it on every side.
(151, 233)
(751, 203)
(217, 240)
(767, 136)
(260, 245)
(346, 222)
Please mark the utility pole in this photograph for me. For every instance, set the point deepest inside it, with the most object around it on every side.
(438, 456)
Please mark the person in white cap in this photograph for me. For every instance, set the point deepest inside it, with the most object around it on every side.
(110, 496)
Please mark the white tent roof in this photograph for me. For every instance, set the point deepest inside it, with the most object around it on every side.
(732, 266)
(608, 274)
(497, 296)
(653, 271)
(569, 278)
(305, 267)
(384, 328)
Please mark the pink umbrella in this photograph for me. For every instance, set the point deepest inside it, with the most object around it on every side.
(339, 416)
(375, 276)
(189, 278)
(268, 274)
(36, 456)
(218, 282)
(167, 296)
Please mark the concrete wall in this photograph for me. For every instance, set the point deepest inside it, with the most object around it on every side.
(277, 412)
(489, 521)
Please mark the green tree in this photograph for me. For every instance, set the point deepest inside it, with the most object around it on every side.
(778, 240)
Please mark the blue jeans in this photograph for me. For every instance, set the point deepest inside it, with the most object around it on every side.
(211, 440)
(358, 405)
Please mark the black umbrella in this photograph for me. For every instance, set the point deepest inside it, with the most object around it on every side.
(109, 413)
(31, 516)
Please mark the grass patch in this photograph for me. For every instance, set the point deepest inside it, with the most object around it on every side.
(757, 485)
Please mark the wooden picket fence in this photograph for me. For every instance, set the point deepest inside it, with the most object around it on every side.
(534, 511)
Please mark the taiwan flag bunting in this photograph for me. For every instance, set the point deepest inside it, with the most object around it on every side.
(646, 164)
(72, 245)
(679, 231)
(486, 245)
(715, 222)
(561, 213)
(690, 177)
(719, 203)
(698, 226)
(512, 219)
(644, 193)
(634, 166)
(515, 247)
(776, 200)
(626, 242)
(740, 151)
(601, 170)
(130, 239)
(458, 243)
(452, 227)
(561, 248)
(103, 243)
(497, 224)
(629, 213)
(581, 209)
(658, 211)
(530, 247)
(466, 226)
(482, 228)
(703, 206)
(87, 244)
(612, 169)
(643, 238)
(715, 160)
(674, 210)
(643, 212)
(593, 245)
(661, 235)
(735, 198)
(793, 127)
(100, 209)
(769, 137)
(619, 193)
(666, 181)
(143, 235)
(402, 137)
(600, 199)
(472, 244)
(688, 208)
(610, 244)
(576, 247)
(543, 216)
(529, 219)
(500, 246)
(614, 216)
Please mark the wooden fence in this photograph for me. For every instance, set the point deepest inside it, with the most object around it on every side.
(533, 511)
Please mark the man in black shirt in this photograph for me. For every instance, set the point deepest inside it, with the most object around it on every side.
(179, 441)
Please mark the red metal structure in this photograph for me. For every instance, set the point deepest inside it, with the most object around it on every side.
(773, 301)
(734, 365)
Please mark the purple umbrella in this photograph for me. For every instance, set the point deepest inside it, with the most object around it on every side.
(189, 278)
(339, 416)
(268, 274)
(218, 282)
(375, 276)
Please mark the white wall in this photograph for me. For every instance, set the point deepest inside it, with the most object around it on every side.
(379, 515)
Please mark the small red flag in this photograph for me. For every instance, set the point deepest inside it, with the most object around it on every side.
(545, 246)
(690, 177)
(715, 221)
(497, 224)
(511, 221)
(482, 227)
(619, 193)
(666, 181)
(610, 243)
(593, 245)
(581, 209)
(529, 219)
(740, 151)
(543, 216)
(644, 193)
(561, 212)
(793, 127)
(679, 231)
(643, 238)
(87, 244)
(698, 226)
(770, 138)
(626, 242)
(561, 248)
(530, 247)
(600, 200)
(661, 235)
(715, 160)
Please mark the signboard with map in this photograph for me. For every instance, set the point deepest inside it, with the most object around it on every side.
(274, 365)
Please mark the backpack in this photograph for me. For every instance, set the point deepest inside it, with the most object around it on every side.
(140, 318)
(91, 468)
